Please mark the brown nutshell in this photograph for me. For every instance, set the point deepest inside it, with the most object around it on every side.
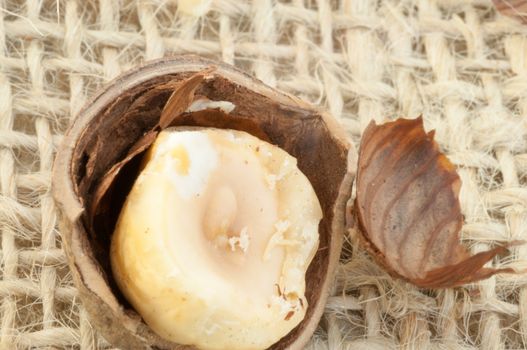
(516, 9)
(408, 210)
(101, 154)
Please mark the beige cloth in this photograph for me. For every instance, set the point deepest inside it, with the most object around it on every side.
(455, 61)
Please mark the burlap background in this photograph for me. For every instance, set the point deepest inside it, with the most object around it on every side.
(456, 62)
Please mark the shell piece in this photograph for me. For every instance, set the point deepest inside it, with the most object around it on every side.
(110, 126)
(408, 209)
(513, 8)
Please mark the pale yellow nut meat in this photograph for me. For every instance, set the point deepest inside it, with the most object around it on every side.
(214, 240)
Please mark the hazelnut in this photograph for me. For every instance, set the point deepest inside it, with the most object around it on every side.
(121, 115)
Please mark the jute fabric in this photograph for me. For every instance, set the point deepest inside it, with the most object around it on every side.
(456, 62)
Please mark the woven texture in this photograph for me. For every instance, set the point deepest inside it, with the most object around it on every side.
(458, 63)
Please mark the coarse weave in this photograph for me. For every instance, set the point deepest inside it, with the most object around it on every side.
(456, 62)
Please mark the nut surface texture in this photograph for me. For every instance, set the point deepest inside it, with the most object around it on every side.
(214, 239)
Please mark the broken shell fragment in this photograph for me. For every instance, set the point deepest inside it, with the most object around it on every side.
(408, 210)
